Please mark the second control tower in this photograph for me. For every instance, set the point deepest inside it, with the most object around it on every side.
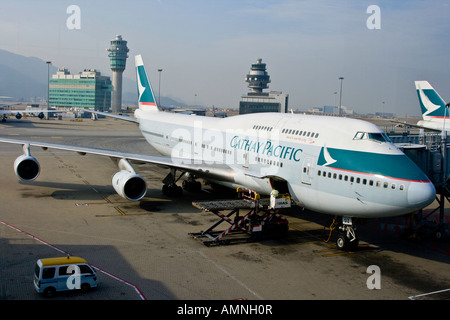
(258, 78)
(118, 54)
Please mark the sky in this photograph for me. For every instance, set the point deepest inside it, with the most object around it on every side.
(206, 47)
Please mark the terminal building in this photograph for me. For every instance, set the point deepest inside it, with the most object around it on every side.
(258, 101)
(88, 89)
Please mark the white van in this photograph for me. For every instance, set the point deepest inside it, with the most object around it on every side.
(63, 273)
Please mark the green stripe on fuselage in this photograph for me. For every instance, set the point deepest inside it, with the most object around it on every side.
(397, 166)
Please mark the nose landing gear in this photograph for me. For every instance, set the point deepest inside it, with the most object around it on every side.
(347, 239)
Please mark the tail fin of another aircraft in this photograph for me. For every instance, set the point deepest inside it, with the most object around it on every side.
(431, 103)
(146, 98)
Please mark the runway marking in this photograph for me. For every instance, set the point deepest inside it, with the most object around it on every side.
(120, 211)
(427, 294)
(231, 276)
(139, 292)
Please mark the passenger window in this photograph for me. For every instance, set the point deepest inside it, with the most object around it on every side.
(63, 271)
(385, 185)
(84, 269)
(48, 273)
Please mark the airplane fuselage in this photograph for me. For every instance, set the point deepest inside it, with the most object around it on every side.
(333, 165)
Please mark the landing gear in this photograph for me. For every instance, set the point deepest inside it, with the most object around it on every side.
(191, 185)
(171, 189)
(347, 239)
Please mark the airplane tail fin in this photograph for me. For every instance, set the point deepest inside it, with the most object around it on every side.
(146, 98)
(431, 103)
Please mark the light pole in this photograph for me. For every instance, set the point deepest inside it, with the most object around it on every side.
(48, 86)
(340, 96)
(159, 89)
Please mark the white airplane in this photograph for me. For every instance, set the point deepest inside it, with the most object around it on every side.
(19, 113)
(435, 113)
(337, 166)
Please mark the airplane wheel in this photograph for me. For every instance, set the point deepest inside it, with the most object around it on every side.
(172, 190)
(342, 242)
(192, 186)
(439, 234)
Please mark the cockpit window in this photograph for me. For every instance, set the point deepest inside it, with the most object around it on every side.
(374, 136)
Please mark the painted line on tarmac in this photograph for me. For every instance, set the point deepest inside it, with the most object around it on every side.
(139, 292)
(427, 294)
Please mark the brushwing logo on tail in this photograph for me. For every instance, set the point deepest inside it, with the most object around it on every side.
(141, 88)
(427, 104)
(432, 105)
(145, 96)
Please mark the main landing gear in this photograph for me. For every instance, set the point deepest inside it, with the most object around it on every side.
(171, 189)
(347, 239)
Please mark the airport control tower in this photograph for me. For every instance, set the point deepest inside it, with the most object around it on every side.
(258, 101)
(258, 78)
(118, 54)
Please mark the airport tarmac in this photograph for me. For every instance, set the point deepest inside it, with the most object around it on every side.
(142, 250)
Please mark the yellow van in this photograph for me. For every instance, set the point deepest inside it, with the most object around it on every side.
(63, 273)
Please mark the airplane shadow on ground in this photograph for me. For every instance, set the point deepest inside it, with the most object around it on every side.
(69, 191)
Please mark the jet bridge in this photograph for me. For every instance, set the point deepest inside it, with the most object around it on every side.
(430, 151)
(250, 218)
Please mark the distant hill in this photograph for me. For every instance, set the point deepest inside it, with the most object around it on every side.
(26, 78)
(23, 77)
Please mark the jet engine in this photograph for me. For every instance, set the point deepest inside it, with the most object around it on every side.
(27, 167)
(127, 183)
(18, 116)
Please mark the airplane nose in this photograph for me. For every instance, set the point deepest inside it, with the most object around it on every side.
(421, 194)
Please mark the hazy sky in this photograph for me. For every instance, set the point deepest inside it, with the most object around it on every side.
(205, 48)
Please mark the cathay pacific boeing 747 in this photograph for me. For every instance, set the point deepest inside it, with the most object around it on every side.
(337, 166)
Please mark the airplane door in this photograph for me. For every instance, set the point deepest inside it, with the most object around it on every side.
(166, 140)
(307, 170)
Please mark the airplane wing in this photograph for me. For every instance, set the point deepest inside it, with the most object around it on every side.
(199, 168)
(416, 126)
(112, 115)
(8, 105)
